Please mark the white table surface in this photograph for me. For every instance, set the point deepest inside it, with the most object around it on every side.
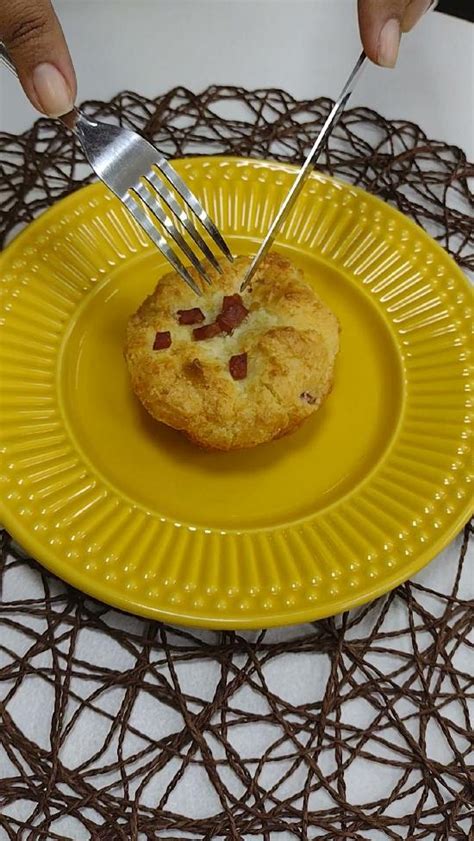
(305, 46)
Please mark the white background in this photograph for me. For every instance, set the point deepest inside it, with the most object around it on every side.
(307, 47)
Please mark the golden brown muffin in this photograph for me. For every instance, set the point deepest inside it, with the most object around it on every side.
(268, 367)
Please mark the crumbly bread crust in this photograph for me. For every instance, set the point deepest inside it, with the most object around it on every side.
(290, 337)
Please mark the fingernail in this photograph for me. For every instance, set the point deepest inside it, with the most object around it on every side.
(415, 11)
(389, 42)
(52, 90)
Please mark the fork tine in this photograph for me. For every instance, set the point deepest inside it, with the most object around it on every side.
(145, 222)
(155, 208)
(183, 217)
(194, 206)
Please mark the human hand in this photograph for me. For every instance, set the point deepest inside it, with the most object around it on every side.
(35, 42)
(382, 22)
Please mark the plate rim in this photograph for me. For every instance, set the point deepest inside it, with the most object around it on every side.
(135, 608)
(233, 159)
(33, 545)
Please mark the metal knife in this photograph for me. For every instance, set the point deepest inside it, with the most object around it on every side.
(307, 168)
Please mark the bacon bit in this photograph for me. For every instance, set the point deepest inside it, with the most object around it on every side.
(238, 366)
(233, 313)
(308, 398)
(162, 340)
(229, 300)
(193, 316)
(207, 331)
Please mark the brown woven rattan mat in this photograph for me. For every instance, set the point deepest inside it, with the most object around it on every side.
(356, 727)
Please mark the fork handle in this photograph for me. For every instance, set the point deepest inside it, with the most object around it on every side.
(69, 119)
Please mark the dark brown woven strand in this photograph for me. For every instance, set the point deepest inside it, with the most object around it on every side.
(402, 660)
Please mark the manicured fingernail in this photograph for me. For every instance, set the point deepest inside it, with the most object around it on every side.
(52, 90)
(389, 43)
(415, 11)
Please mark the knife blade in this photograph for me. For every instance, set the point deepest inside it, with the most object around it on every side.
(306, 169)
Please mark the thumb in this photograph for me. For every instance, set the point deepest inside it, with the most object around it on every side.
(381, 23)
(35, 41)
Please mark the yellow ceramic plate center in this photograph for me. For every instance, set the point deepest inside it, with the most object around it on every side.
(269, 485)
(356, 501)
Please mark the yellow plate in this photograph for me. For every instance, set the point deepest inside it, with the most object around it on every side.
(127, 510)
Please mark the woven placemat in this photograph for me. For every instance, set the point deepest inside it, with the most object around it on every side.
(355, 727)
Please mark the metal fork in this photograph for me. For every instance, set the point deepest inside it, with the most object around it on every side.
(129, 166)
